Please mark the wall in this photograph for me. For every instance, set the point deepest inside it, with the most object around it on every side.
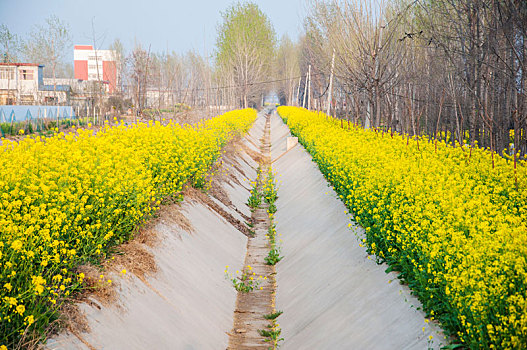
(23, 86)
(88, 68)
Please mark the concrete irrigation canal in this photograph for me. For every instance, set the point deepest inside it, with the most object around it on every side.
(325, 293)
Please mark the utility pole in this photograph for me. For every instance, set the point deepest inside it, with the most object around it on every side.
(309, 92)
(298, 91)
(328, 109)
(305, 92)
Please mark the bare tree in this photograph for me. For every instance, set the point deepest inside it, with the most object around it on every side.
(139, 59)
(245, 47)
(48, 44)
(363, 35)
(287, 66)
(451, 68)
(10, 44)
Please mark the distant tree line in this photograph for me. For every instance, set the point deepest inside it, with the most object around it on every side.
(450, 69)
(45, 44)
(235, 74)
(436, 67)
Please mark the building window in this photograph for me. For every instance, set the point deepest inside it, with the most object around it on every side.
(7, 73)
(26, 74)
(50, 100)
(27, 99)
(95, 58)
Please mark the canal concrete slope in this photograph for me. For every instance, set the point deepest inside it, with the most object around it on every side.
(332, 295)
(186, 303)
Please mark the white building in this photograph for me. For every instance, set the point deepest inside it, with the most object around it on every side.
(18, 83)
(23, 84)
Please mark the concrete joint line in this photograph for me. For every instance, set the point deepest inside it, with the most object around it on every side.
(283, 154)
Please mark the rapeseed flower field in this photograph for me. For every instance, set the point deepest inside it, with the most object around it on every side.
(67, 200)
(451, 221)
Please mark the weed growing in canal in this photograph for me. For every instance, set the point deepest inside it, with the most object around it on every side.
(256, 197)
(274, 253)
(246, 281)
(273, 316)
(250, 228)
(273, 257)
(272, 333)
(430, 344)
(270, 195)
(271, 209)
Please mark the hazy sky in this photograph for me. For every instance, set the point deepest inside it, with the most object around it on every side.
(178, 25)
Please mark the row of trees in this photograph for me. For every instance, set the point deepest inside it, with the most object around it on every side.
(45, 44)
(438, 67)
(236, 75)
(245, 49)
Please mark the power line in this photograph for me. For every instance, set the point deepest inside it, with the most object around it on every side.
(238, 86)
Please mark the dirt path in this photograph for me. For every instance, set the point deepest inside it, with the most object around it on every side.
(252, 306)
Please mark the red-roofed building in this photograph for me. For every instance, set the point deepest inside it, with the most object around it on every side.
(95, 65)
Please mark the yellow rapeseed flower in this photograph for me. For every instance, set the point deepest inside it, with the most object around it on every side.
(453, 220)
(72, 197)
(20, 309)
